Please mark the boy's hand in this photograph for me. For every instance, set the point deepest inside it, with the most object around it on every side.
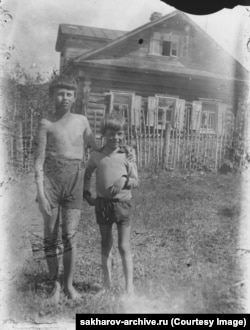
(90, 200)
(130, 153)
(44, 206)
(118, 185)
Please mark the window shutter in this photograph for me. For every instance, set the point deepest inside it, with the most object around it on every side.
(221, 118)
(136, 110)
(196, 115)
(174, 41)
(152, 110)
(229, 120)
(184, 46)
(174, 49)
(156, 47)
(179, 114)
(155, 44)
(109, 100)
(175, 114)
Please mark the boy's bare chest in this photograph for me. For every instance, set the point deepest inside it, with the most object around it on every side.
(66, 132)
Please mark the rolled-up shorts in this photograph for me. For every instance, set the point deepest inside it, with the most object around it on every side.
(113, 211)
(63, 182)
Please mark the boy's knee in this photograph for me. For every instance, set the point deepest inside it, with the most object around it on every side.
(69, 241)
(50, 245)
(106, 247)
(124, 248)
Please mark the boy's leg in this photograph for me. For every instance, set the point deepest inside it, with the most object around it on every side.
(70, 222)
(106, 246)
(51, 240)
(126, 255)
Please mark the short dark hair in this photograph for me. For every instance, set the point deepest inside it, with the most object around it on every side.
(113, 121)
(63, 81)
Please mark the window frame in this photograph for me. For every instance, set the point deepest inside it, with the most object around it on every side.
(165, 109)
(212, 128)
(157, 40)
(129, 105)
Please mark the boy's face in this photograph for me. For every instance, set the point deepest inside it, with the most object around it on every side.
(64, 99)
(114, 138)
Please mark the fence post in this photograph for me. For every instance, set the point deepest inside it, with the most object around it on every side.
(18, 146)
(165, 151)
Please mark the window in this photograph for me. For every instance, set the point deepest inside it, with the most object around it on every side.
(164, 44)
(166, 107)
(164, 110)
(166, 48)
(122, 109)
(169, 48)
(208, 120)
(209, 115)
(122, 103)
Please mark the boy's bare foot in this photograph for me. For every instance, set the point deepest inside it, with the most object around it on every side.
(130, 291)
(107, 287)
(71, 293)
(54, 297)
(103, 291)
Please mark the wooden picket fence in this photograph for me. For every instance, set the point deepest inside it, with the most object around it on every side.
(157, 146)
(179, 144)
(171, 147)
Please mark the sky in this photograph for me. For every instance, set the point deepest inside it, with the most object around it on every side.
(33, 29)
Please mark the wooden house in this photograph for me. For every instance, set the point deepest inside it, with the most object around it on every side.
(166, 73)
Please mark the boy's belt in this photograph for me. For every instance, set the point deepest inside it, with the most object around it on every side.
(106, 200)
(64, 162)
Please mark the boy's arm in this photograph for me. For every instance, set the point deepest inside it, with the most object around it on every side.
(88, 135)
(132, 178)
(130, 153)
(91, 166)
(40, 157)
(38, 165)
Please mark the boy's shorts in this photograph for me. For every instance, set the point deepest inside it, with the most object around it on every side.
(113, 211)
(63, 182)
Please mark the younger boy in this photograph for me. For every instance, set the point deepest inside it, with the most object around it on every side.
(59, 179)
(115, 176)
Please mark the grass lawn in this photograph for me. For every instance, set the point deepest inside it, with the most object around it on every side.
(185, 250)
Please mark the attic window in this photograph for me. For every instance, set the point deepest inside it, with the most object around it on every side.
(166, 48)
(164, 44)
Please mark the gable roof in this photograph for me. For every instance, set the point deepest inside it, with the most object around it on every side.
(127, 42)
(129, 35)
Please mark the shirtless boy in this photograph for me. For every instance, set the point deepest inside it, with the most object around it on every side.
(59, 180)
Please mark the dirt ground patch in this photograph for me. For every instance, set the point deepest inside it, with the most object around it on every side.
(185, 242)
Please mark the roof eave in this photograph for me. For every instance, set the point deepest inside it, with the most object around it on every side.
(142, 70)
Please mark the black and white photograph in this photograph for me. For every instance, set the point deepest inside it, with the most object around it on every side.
(125, 159)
